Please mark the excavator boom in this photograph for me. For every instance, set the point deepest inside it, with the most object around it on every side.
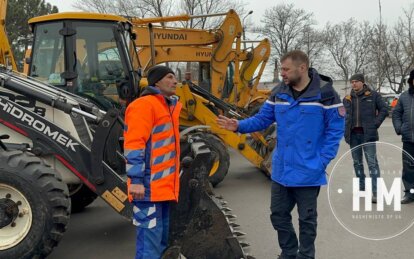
(221, 38)
(6, 53)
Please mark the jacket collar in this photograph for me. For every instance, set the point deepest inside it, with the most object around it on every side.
(314, 89)
(151, 90)
(411, 90)
(365, 91)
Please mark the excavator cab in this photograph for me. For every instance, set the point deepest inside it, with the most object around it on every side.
(89, 55)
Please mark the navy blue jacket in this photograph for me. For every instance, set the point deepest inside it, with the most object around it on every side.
(309, 130)
(373, 112)
(403, 117)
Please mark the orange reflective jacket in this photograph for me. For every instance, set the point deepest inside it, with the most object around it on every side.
(152, 145)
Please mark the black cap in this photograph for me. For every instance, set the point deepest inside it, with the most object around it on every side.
(358, 77)
(157, 73)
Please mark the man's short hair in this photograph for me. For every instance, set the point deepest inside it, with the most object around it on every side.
(297, 56)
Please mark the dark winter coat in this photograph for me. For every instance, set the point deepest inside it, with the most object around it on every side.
(372, 112)
(403, 117)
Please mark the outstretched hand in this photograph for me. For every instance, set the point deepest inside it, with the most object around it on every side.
(227, 123)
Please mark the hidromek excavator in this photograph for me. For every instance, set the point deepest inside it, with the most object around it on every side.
(60, 150)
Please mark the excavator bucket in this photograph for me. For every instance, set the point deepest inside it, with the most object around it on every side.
(201, 225)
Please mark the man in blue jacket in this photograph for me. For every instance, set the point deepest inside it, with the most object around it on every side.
(310, 124)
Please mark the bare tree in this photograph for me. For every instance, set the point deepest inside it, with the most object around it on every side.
(18, 31)
(284, 26)
(100, 6)
(138, 8)
(378, 55)
(160, 8)
(399, 51)
(312, 43)
(349, 45)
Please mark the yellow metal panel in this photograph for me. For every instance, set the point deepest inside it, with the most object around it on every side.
(119, 194)
(174, 36)
(113, 201)
(77, 16)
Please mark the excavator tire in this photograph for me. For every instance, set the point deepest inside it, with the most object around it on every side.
(34, 206)
(80, 196)
(220, 156)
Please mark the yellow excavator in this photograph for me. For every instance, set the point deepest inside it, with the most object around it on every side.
(248, 95)
(54, 137)
(201, 106)
(179, 43)
(6, 54)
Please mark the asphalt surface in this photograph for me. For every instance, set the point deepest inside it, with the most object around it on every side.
(99, 232)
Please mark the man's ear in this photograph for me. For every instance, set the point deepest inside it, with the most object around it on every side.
(303, 67)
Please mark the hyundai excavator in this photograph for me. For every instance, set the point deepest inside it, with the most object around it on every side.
(56, 141)
(202, 107)
(248, 95)
(171, 42)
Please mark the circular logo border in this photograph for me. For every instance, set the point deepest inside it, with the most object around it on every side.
(329, 198)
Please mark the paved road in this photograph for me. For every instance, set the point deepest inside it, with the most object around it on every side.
(99, 232)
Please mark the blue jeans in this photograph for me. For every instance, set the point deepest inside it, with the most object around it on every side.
(283, 201)
(152, 221)
(370, 153)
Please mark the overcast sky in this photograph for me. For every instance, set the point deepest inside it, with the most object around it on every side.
(324, 10)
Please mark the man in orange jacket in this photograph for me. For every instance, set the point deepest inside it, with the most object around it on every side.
(152, 149)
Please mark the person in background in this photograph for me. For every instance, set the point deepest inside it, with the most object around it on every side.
(403, 121)
(366, 111)
(394, 102)
(310, 126)
(187, 78)
(152, 150)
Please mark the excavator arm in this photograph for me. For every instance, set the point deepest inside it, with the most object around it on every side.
(221, 39)
(6, 53)
(248, 85)
(250, 60)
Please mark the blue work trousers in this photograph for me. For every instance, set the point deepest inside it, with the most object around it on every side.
(152, 221)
